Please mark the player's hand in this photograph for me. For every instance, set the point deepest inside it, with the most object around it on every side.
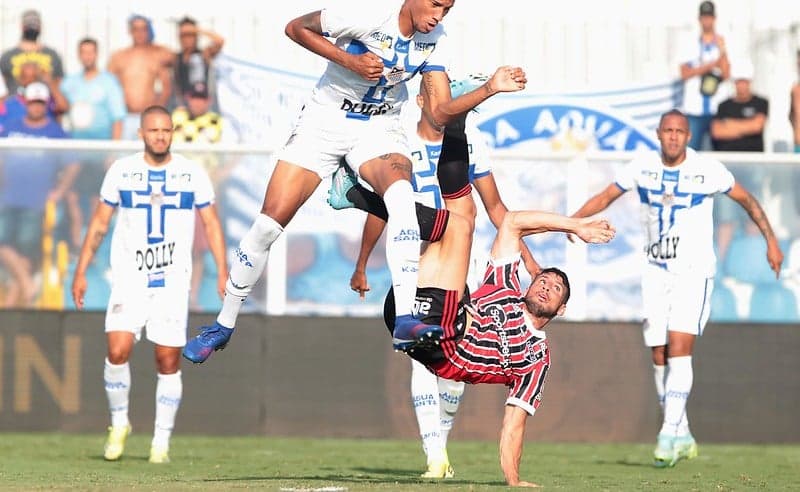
(358, 282)
(507, 79)
(368, 65)
(79, 285)
(595, 230)
(774, 257)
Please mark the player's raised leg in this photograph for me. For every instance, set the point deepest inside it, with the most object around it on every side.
(390, 176)
(288, 189)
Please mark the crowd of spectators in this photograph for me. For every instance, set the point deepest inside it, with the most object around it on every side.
(38, 100)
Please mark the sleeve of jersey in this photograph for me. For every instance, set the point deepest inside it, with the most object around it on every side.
(109, 190)
(526, 390)
(503, 272)
(478, 153)
(204, 193)
(723, 178)
(440, 58)
(348, 21)
(626, 176)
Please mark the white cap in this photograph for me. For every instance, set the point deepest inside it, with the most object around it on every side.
(36, 91)
(742, 70)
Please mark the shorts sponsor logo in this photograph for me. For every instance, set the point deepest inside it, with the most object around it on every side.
(421, 308)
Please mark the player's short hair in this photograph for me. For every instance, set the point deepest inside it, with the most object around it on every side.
(564, 279)
(154, 109)
(673, 112)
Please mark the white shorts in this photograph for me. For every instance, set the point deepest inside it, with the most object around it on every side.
(162, 312)
(674, 302)
(322, 136)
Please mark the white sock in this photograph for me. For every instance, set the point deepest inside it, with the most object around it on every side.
(450, 394)
(677, 389)
(424, 396)
(246, 269)
(169, 390)
(402, 244)
(117, 380)
(660, 376)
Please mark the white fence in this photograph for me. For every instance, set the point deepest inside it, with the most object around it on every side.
(313, 279)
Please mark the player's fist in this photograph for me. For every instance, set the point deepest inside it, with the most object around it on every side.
(508, 79)
(595, 230)
(368, 65)
(359, 284)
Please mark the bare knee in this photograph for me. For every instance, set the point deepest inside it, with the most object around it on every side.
(118, 354)
(659, 354)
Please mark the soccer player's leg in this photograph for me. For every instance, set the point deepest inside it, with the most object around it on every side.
(166, 328)
(656, 312)
(117, 381)
(425, 398)
(123, 327)
(288, 189)
(690, 311)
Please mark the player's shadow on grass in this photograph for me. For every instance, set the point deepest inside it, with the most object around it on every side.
(360, 476)
(625, 462)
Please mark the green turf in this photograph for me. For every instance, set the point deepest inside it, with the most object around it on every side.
(59, 461)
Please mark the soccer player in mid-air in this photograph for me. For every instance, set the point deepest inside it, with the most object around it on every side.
(436, 400)
(157, 193)
(676, 188)
(495, 334)
(353, 112)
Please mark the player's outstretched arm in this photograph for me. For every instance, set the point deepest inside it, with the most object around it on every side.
(445, 109)
(512, 436)
(306, 31)
(523, 223)
(756, 213)
(95, 232)
(496, 210)
(373, 228)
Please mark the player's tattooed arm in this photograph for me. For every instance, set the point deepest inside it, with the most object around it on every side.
(759, 218)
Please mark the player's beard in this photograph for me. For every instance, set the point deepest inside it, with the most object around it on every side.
(538, 310)
(156, 156)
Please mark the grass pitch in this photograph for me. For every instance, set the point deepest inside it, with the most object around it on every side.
(74, 462)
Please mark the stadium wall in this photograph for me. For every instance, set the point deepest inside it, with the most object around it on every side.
(338, 377)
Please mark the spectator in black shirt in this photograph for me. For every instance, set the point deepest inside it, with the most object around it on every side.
(739, 123)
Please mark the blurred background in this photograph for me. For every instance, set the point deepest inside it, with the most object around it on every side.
(600, 74)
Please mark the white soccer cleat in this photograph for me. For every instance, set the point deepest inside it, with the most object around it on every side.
(115, 443)
(159, 455)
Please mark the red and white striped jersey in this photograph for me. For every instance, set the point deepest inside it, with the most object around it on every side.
(500, 346)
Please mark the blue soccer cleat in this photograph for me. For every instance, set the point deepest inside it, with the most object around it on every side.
(341, 182)
(410, 332)
(211, 338)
